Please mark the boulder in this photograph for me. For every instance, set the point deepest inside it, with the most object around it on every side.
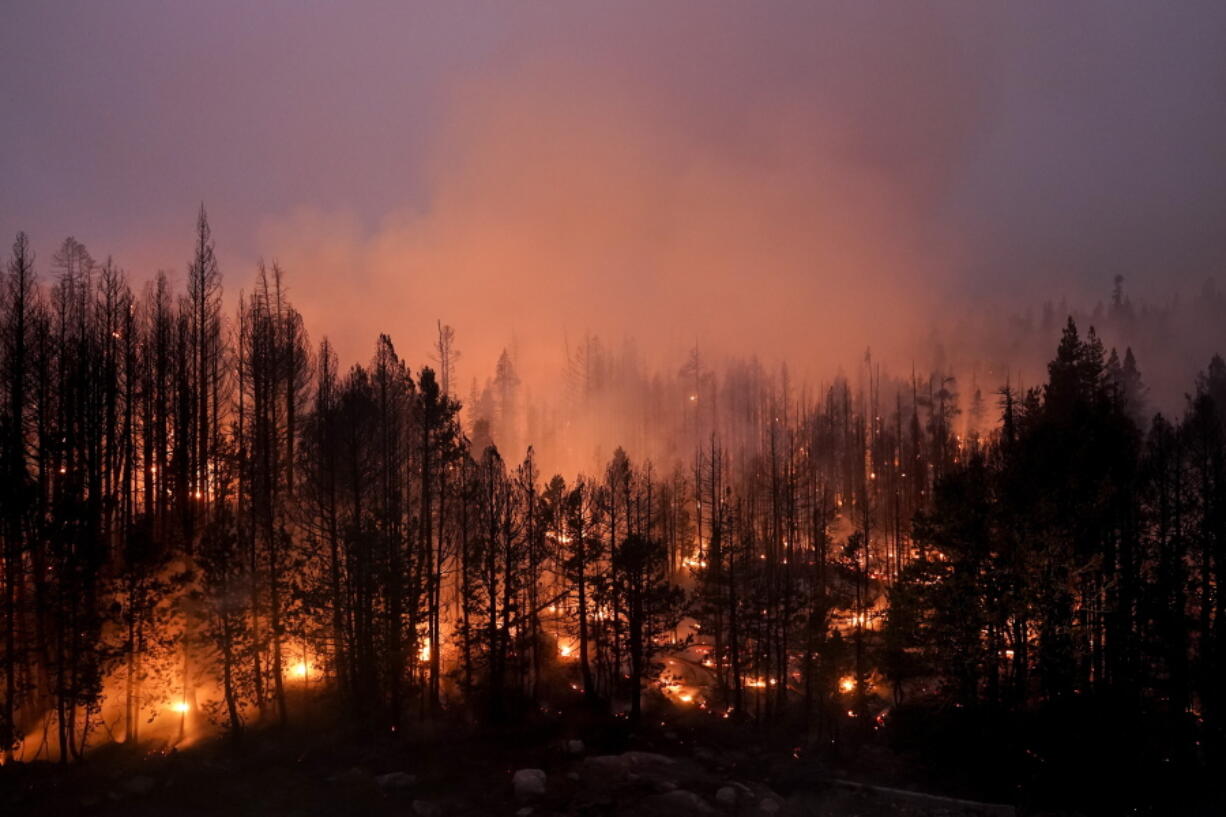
(426, 808)
(679, 801)
(574, 747)
(605, 770)
(395, 781)
(629, 767)
(647, 759)
(529, 784)
(725, 797)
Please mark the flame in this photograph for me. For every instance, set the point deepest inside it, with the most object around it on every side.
(301, 670)
(423, 654)
(681, 693)
(847, 684)
(181, 706)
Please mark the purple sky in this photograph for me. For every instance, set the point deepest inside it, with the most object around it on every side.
(626, 166)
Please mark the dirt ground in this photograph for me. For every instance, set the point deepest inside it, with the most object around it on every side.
(591, 768)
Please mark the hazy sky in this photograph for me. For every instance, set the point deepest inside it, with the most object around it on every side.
(760, 175)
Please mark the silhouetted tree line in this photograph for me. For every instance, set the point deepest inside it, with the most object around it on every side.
(205, 511)
(195, 503)
(1070, 566)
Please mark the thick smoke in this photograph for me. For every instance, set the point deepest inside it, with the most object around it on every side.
(794, 181)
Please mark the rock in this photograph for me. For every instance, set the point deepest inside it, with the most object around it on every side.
(768, 806)
(526, 811)
(629, 767)
(529, 784)
(679, 801)
(726, 797)
(608, 762)
(139, 785)
(605, 770)
(395, 781)
(425, 808)
(574, 747)
(664, 785)
(574, 776)
(744, 790)
(647, 759)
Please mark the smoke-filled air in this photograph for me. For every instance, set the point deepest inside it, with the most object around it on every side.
(683, 408)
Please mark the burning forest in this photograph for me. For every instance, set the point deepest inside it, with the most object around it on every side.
(651, 410)
(213, 528)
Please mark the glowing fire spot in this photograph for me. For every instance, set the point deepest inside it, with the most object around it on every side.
(565, 650)
(301, 670)
(847, 684)
(181, 706)
(686, 698)
(423, 654)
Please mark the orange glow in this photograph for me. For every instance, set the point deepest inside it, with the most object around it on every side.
(847, 684)
(181, 706)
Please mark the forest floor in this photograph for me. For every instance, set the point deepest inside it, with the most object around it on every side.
(591, 768)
